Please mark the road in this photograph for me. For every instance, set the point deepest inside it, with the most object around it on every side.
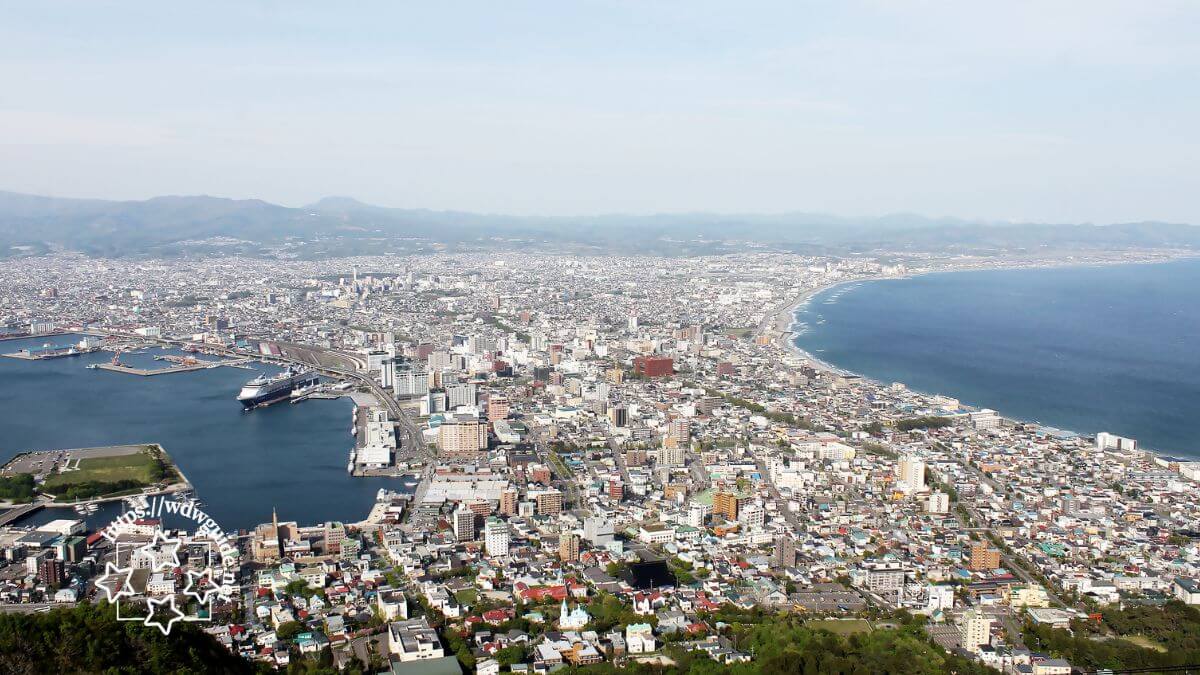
(26, 608)
(563, 479)
(791, 516)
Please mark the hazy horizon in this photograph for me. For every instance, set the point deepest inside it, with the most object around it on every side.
(1029, 112)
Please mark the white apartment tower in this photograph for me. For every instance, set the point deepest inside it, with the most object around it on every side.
(911, 471)
(496, 538)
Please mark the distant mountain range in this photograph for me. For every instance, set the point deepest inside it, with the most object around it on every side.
(202, 225)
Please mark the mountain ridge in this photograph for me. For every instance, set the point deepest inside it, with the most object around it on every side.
(173, 224)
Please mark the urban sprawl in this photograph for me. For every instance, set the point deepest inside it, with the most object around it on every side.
(613, 453)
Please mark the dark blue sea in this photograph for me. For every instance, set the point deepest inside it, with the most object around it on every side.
(289, 457)
(1114, 348)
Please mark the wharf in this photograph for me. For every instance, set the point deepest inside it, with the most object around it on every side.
(31, 356)
(148, 372)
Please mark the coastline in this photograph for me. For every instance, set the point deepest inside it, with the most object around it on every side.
(784, 338)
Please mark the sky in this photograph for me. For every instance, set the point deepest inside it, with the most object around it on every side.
(1047, 111)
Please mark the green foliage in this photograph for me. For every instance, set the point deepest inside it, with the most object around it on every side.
(459, 646)
(782, 644)
(608, 611)
(926, 422)
(92, 488)
(288, 630)
(88, 638)
(18, 488)
(1174, 628)
(682, 570)
(880, 450)
(510, 655)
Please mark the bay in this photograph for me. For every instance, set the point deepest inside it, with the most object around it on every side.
(1113, 348)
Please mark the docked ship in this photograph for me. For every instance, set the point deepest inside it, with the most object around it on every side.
(264, 390)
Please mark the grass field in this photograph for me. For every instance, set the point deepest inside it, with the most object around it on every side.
(1143, 641)
(142, 467)
(839, 627)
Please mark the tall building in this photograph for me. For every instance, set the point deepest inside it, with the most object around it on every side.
(1107, 441)
(984, 558)
(52, 572)
(335, 534)
(462, 435)
(508, 502)
(411, 383)
(568, 547)
(387, 373)
(549, 502)
(464, 524)
(616, 491)
(679, 432)
(939, 502)
(911, 471)
(672, 456)
(752, 516)
(462, 393)
(497, 408)
(495, 537)
(725, 504)
(785, 551)
(974, 629)
(618, 415)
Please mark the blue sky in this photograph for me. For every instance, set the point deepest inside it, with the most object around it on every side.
(1030, 111)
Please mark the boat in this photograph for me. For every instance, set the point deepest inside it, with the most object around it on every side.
(303, 391)
(264, 390)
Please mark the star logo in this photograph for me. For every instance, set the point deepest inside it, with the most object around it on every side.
(162, 552)
(200, 585)
(115, 582)
(163, 609)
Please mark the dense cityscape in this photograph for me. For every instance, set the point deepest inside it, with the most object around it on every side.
(618, 462)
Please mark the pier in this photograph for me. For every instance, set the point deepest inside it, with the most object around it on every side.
(149, 372)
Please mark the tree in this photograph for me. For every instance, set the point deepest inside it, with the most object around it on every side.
(510, 655)
(88, 638)
(288, 630)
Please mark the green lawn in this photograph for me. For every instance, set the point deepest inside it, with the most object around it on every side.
(467, 596)
(840, 627)
(140, 467)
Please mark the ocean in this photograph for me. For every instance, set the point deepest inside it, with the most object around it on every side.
(242, 465)
(1089, 349)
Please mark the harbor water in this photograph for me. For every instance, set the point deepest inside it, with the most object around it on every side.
(242, 464)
